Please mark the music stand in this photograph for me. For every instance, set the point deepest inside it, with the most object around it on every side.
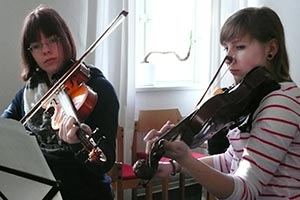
(24, 172)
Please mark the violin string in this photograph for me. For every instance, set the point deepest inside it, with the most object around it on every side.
(69, 108)
(85, 141)
(221, 77)
(67, 104)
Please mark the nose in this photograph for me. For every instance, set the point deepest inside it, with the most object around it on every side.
(229, 60)
(45, 48)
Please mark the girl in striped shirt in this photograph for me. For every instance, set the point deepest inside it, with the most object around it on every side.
(263, 160)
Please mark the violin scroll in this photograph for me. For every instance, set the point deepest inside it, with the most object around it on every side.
(97, 155)
(146, 168)
(143, 170)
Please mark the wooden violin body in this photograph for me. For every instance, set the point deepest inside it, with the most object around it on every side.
(225, 110)
(78, 100)
(83, 97)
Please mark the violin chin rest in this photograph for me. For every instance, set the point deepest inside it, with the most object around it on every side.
(142, 170)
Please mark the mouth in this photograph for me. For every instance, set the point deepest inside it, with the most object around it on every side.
(234, 71)
(49, 60)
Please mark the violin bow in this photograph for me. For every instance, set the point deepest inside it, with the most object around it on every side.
(230, 59)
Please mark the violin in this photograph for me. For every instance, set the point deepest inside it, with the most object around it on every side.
(77, 100)
(223, 111)
(82, 96)
(74, 97)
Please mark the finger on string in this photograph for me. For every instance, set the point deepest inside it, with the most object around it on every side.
(56, 118)
(69, 123)
(168, 125)
(150, 143)
(63, 125)
(150, 135)
(71, 134)
(154, 133)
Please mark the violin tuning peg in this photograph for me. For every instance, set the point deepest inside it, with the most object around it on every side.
(101, 139)
(95, 131)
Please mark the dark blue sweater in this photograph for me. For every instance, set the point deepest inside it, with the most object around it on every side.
(78, 175)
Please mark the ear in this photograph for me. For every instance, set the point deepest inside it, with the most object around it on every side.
(272, 48)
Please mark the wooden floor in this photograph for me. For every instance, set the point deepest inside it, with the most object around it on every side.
(192, 192)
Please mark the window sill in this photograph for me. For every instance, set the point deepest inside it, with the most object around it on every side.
(156, 88)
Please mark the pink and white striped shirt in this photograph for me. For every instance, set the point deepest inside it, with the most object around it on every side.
(265, 163)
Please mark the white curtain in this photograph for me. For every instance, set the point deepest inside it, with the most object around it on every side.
(116, 60)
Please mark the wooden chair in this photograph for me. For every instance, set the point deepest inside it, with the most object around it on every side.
(147, 120)
(122, 174)
(115, 174)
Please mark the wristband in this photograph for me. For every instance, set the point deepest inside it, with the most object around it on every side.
(174, 171)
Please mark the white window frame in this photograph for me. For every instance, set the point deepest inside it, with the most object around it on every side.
(199, 55)
(206, 51)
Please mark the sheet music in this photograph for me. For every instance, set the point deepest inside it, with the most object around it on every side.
(20, 151)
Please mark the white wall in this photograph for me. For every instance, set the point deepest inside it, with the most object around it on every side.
(12, 14)
(183, 98)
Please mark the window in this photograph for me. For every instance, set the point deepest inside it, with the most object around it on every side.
(167, 31)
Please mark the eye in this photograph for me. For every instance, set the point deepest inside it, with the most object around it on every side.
(52, 40)
(240, 47)
(35, 46)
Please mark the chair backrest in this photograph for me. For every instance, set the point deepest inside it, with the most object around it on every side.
(148, 120)
(120, 144)
(115, 172)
